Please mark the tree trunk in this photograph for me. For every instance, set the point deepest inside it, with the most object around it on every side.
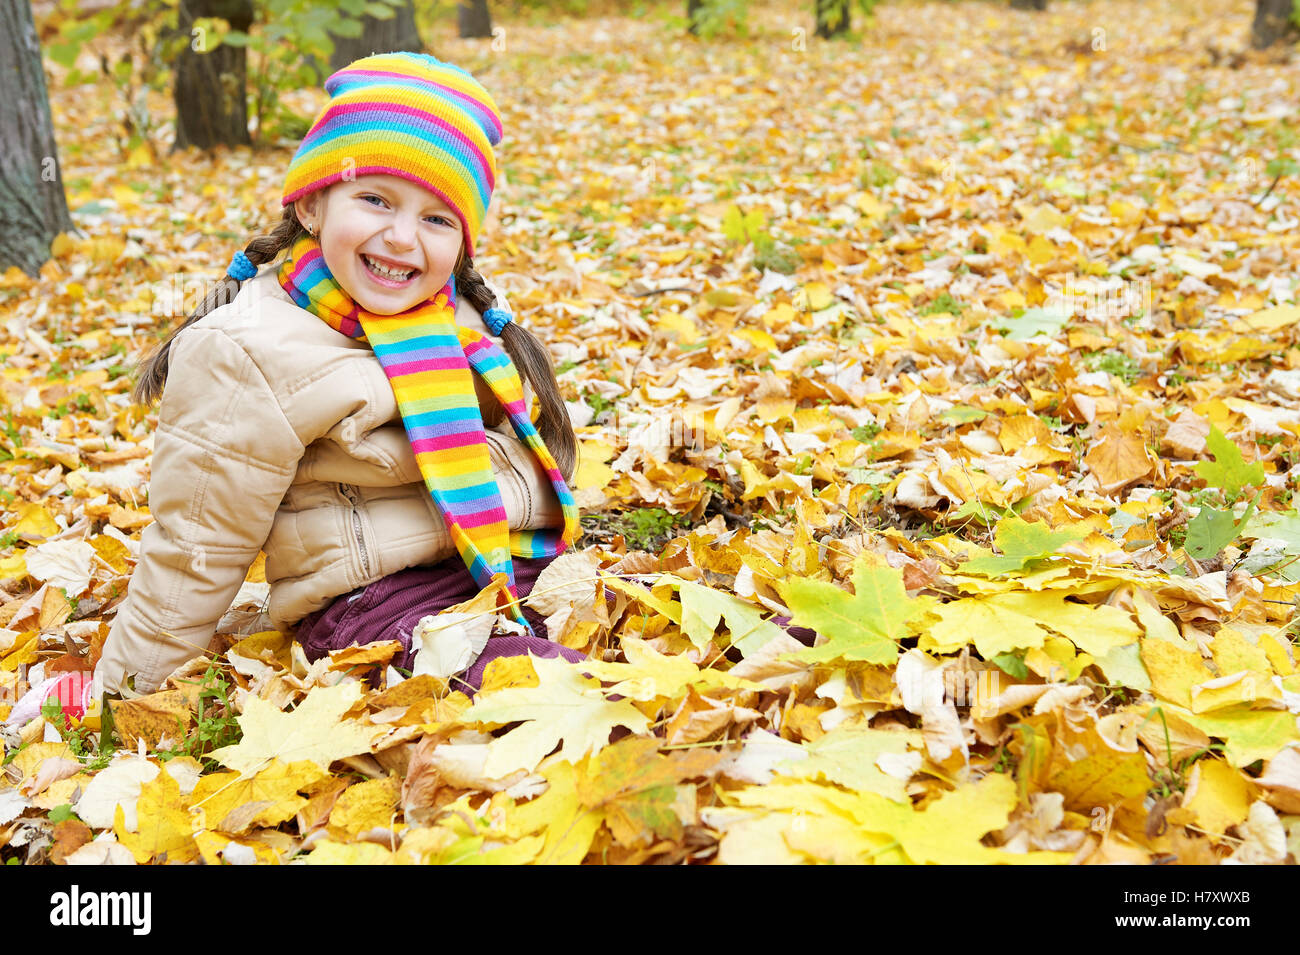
(33, 209)
(474, 19)
(211, 102)
(693, 8)
(1028, 4)
(397, 34)
(832, 18)
(1272, 23)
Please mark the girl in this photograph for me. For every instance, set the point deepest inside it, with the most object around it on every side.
(324, 410)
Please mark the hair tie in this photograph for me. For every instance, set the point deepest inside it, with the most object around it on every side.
(496, 319)
(240, 267)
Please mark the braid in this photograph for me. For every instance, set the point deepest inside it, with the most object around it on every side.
(152, 371)
(534, 363)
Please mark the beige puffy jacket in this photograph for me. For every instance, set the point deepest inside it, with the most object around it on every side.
(275, 432)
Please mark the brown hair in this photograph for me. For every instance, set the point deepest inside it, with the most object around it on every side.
(529, 355)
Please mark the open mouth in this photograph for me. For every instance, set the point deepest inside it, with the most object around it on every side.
(387, 276)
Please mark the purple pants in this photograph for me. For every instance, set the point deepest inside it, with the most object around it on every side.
(389, 609)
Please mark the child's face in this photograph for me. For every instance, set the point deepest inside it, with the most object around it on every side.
(394, 221)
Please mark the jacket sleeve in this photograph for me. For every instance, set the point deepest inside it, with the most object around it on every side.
(224, 456)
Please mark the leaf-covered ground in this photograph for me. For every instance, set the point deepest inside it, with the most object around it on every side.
(971, 346)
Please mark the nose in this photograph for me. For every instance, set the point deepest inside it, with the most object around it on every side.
(401, 231)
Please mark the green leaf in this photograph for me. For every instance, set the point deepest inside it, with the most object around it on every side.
(722, 297)
(865, 433)
(1283, 527)
(236, 38)
(1228, 471)
(743, 227)
(62, 813)
(1033, 322)
(1211, 530)
(1021, 543)
(847, 755)
(1123, 666)
(1281, 167)
(349, 28)
(962, 414)
(865, 625)
(977, 510)
(703, 608)
(1012, 665)
(733, 224)
(64, 54)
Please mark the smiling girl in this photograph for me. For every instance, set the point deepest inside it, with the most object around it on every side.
(362, 411)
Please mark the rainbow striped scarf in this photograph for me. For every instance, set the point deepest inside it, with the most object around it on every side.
(427, 357)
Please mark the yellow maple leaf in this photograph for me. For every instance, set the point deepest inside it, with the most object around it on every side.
(638, 788)
(326, 852)
(1174, 670)
(314, 731)
(947, 831)
(1105, 778)
(562, 707)
(569, 826)
(368, 805)
(1249, 734)
(649, 674)
(165, 825)
(232, 803)
(1001, 623)
(1217, 796)
(34, 522)
(217, 848)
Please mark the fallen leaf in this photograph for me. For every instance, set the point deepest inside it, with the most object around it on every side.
(562, 707)
(314, 731)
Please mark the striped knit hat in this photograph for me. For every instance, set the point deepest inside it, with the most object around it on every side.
(408, 115)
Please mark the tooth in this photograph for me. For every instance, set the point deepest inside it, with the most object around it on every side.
(379, 266)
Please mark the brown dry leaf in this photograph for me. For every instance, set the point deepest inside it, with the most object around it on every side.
(69, 836)
(697, 718)
(363, 657)
(1118, 459)
(165, 715)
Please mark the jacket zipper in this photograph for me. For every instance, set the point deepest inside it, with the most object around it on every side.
(355, 500)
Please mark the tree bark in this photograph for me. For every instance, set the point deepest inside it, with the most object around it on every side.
(1029, 4)
(832, 18)
(474, 19)
(397, 34)
(211, 102)
(33, 208)
(1272, 23)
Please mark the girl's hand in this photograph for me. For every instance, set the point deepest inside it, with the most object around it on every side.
(493, 411)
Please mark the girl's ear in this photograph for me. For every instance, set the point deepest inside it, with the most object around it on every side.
(306, 207)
